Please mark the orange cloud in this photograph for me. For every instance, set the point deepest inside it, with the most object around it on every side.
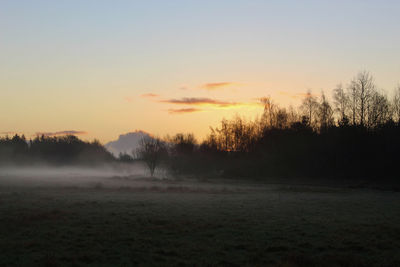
(199, 101)
(183, 110)
(69, 132)
(215, 86)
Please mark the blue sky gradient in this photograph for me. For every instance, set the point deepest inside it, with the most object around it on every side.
(91, 60)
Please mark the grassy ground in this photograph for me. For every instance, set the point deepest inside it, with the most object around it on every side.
(159, 223)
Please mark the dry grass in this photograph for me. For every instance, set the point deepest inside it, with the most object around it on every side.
(120, 222)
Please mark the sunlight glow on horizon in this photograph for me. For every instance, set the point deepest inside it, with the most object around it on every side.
(107, 68)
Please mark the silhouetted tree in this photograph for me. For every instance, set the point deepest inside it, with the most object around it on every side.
(62, 150)
(362, 88)
(182, 158)
(341, 102)
(379, 111)
(310, 107)
(182, 144)
(352, 96)
(268, 118)
(151, 151)
(396, 105)
(283, 142)
(325, 113)
(293, 116)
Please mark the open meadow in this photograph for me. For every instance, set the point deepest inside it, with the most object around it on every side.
(125, 221)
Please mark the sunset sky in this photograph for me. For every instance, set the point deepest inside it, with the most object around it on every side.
(104, 68)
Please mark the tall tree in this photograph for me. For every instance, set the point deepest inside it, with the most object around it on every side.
(352, 96)
(341, 102)
(378, 110)
(183, 144)
(269, 111)
(310, 107)
(151, 151)
(362, 88)
(225, 135)
(396, 105)
(325, 113)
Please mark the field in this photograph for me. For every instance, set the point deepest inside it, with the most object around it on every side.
(125, 221)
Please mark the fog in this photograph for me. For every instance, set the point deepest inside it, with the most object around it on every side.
(106, 175)
(131, 177)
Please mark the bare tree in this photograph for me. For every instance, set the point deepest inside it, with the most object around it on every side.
(309, 107)
(282, 117)
(352, 102)
(293, 116)
(341, 102)
(183, 144)
(378, 110)
(243, 134)
(396, 105)
(151, 151)
(269, 111)
(225, 135)
(274, 116)
(362, 88)
(325, 113)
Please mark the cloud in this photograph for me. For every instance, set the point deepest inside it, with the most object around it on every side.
(206, 102)
(215, 86)
(149, 95)
(200, 101)
(69, 132)
(183, 110)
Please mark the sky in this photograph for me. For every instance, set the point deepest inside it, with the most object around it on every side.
(100, 68)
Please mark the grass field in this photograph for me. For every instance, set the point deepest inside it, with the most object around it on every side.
(124, 222)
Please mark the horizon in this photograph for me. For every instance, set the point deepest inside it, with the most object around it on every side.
(100, 70)
(199, 133)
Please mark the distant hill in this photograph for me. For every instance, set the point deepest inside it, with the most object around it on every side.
(126, 143)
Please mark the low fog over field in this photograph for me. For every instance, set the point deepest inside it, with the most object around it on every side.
(102, 217)
(200, 133)
(133, 177)
(73, 176)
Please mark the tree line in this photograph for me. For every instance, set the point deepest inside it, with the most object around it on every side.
(57, 150)
(356, 136)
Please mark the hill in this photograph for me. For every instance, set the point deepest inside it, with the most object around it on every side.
(126, 143)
